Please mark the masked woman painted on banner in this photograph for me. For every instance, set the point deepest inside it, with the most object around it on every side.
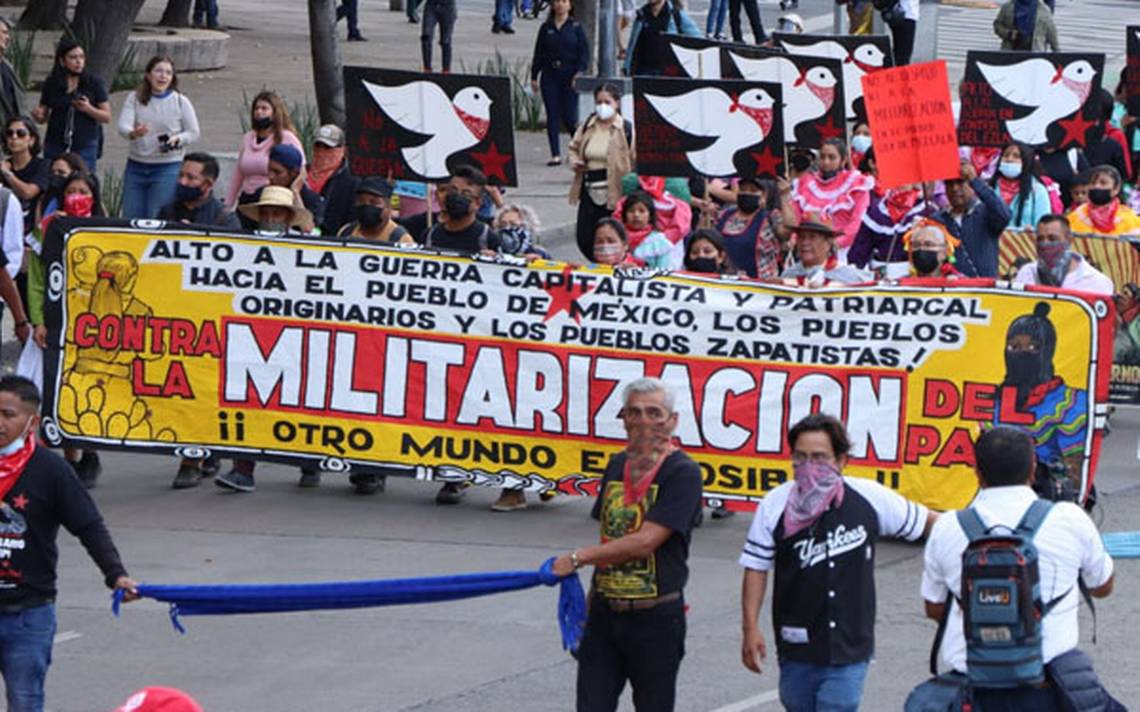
(1060, 412)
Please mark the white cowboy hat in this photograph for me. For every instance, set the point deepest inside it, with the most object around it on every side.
(276, 196)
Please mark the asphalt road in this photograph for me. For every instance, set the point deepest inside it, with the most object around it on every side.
(494, 653)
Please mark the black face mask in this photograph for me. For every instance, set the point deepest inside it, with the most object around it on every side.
(924, 261)
(1023, 368)
(369, 216)
(707, 265)
(1100, 196)
(514, 240)
(748, 202)
(828, 175)
(262, 123)
(457, 205)
(56, 183)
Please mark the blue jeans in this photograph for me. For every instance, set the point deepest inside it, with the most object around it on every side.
(147, 187)
(805, 687)
(25, 654)
(208, 9)
(717, 11)
(504, 12)
(561, 102)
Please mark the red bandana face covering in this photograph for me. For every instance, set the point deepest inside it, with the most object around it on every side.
(12, 466)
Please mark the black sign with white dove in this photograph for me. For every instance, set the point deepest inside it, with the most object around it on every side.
(1035, 98)
(859, 55)
(691, 127)
(419, 127)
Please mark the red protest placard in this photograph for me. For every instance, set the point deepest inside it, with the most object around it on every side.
(912, 123)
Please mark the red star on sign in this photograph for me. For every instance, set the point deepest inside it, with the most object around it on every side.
(564, 296)
(492, 162)
(20, 501)
(1075, 129)
(767, 161)
(829, 129)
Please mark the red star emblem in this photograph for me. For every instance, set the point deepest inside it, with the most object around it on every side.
(767, 162)
(564, 296)
(828, 129)
(493, 163)
(1075, 129)
(20, 501)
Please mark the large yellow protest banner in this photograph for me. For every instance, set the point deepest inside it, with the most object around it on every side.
(357, 357)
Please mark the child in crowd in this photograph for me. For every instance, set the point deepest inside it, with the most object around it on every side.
(1080, 190)
(647, 243)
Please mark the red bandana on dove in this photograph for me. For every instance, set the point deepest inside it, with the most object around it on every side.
(824, 94)
(1081, 89)
(478, 127)
(763, 117)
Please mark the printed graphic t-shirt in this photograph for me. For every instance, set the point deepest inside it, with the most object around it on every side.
(673, 501)
(46, 495)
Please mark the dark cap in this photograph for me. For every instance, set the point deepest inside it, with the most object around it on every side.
(375, 186)
(287, 156)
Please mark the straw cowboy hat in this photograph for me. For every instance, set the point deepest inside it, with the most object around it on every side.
(276, 196)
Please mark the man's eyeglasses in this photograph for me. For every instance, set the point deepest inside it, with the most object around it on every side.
(652, 414)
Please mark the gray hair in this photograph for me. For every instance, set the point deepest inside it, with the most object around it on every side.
(930, 230)
(646, 386)
(526, 213)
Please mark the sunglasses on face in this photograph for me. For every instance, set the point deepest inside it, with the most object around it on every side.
(18, 133)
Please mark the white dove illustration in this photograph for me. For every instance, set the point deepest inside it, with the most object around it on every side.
(698, 63)
(865, 58)
(1054, 92)
(451, 124)
(808, 94)
(735, 122)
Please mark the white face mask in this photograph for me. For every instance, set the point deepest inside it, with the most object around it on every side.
(605, 112)
(18, 443)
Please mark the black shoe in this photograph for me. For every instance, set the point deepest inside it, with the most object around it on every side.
(188, 476)
(368, 483)
(88, 468)
(507, 30)
(496, 29)
(211, 466)
(309, 478)
(357, 38)
(451, 493)
(236, 481)
(722, 512)
(414, 18)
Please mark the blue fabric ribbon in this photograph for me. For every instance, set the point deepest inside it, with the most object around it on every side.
(226, 599)
(1122, 545)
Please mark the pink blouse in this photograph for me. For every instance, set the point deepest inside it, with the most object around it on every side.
(843, 200)
(252, 170)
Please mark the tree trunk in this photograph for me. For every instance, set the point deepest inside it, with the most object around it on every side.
(328, 79)
(44, 15)
(586, 12)
(104, 26)
(176, 14)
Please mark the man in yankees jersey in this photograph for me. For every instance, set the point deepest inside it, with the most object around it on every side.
(818, 534)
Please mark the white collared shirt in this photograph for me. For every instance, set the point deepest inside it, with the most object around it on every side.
(1068, 545)
(1082, 278)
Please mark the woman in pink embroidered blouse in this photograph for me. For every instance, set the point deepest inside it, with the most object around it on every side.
(836, 192)
(271, 126)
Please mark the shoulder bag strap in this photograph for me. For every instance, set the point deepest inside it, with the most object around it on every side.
(971, 524)
(940, 633)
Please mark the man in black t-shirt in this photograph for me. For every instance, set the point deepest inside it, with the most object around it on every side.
(38, 492)
(648, 502)
(458, 228)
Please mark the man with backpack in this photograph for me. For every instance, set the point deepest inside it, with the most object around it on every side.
(1011, 568)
